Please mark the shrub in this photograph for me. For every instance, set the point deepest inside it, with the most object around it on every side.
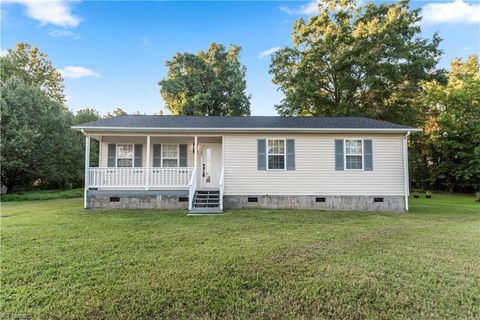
(43, 195)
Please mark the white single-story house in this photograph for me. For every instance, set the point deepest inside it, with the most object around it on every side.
(210, 163)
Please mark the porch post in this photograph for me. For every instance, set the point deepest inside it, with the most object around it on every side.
(100, 152)
(87, 165)
(147, 164)
(195, 159)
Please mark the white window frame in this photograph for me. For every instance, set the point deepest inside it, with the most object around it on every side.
(169, 158)
(277, 154)
(345, 154)
(117, 157)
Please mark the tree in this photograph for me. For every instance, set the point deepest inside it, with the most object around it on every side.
(117, 112)
(353, 60)
(37, 143)
(453, 130)
(86, 115)
(31, 65)
(206, 83)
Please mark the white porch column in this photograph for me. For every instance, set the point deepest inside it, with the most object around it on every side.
(147, 164)
(195, 159)
(87, 166)
(100, 152)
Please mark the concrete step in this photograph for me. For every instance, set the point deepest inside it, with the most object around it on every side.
(207, 201)
(200, 211)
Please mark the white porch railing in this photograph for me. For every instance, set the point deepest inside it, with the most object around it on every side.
(136, 178)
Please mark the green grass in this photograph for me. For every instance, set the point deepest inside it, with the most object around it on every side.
(61, 262)
(43, 195)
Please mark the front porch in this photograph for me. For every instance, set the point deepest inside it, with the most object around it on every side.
(159, 164)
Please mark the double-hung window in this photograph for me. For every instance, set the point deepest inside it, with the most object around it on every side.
(353, 154)
(124, 155)
(276, 154)
(170, 155)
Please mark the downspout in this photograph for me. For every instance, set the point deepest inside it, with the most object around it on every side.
(405, 170)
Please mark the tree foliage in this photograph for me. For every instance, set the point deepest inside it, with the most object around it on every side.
(453, 128)
(31, 65)
(352, 60)
(37, 144)
(206, 83)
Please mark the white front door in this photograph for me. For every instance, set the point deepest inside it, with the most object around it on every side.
(211, 165)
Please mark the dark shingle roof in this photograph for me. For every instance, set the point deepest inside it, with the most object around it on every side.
(251, 122)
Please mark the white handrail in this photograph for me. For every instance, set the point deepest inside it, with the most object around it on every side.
(192, 185)
(136, 178)
(222, 186)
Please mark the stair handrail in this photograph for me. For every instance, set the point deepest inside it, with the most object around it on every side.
(192, 185)
(222, 187)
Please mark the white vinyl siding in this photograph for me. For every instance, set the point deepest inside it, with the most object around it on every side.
(314, 172)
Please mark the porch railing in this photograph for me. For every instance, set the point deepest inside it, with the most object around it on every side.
(136, 178)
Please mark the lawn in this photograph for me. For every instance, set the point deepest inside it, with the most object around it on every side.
(61, 262)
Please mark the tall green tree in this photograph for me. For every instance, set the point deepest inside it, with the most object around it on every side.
(453, 129)
(37, 144)
(356, 60)
(31, 65)
(207, 83)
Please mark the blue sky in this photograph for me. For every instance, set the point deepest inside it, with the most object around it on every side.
(113, 53)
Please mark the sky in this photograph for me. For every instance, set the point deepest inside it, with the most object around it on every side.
(112, 54)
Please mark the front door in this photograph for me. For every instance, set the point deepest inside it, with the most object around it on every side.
(211, 165)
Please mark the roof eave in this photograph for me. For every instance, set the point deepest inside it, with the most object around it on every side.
(147, 129)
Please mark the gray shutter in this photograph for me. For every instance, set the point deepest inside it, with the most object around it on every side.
(112, 149)
(138, 160)
(183, 155)
(290, 154)
(339, 154)
(261, 154)
(157, 149)
(367, 155)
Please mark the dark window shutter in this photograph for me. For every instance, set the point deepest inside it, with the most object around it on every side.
(290, 154)
(112, 150)
(157, 149)
(367, 155)
(339, 154)
(261, 154)
(138, 155)
(183, 155)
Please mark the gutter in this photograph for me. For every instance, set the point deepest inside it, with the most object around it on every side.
(157, 129)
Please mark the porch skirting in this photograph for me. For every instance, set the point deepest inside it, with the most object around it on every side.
(137, 199)
(318, 202)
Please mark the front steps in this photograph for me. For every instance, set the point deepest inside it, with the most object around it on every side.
(206, 202)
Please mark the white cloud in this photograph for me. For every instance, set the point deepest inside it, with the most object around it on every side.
(268, 52)
(63, 33)
(72, 72)
(456, 11)
(308, 9)
(3, 52)
(57, 13)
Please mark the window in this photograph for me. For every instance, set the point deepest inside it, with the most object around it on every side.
(124, 155)
(276, 154)
(353, 154)
(170, 155)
